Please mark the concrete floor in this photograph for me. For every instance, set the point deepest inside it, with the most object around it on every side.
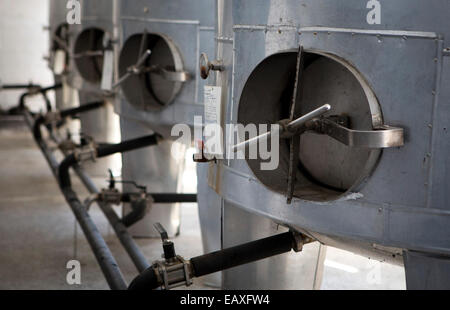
(37, 233)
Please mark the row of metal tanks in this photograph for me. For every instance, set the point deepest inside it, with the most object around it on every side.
(373, 181)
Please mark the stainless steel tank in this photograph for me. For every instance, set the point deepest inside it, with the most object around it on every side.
(168, 93)
(237, 225)
(361, 188)
(58, 27)
(60, 39)
(89, 62)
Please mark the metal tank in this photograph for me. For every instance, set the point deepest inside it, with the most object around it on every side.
(60, 35)
(160, 87)
(91, 66)
(237, 225)
(369, 172)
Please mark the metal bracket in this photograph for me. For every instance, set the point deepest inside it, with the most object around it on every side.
(381, 137)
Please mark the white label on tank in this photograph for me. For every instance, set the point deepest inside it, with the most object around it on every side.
(212, 104)
(212, 132)
(107, 74)
(59, 62)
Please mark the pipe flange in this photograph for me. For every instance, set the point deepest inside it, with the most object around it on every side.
(52, 117)
(85, 153)
(173, 273)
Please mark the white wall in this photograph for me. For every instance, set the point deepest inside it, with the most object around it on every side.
(23, 44)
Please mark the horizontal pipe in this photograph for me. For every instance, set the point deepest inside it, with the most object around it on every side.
(41, 90)
(223, 259)
(241, 254)
(166, 197)
(82, 108)
(65, 113)
(129, 145)
(18, 86)
(173, 198)
(103, 151)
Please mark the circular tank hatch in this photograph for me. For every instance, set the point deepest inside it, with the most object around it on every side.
(88, 54)
(149, 89)
(327, 168)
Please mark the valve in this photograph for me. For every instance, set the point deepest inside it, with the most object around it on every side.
(140, 201)
(206, 66)
(174, 270)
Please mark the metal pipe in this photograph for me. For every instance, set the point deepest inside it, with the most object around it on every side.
(291, 126)
(308, 116)
(122, 234)
(166, 197)
(223, 259)
(18, 86)
(136, 255)
(242, 254)
(82, 109)
(40, 90)
(133, 250)
(103, 151)
(65, 113)
(98, 245)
